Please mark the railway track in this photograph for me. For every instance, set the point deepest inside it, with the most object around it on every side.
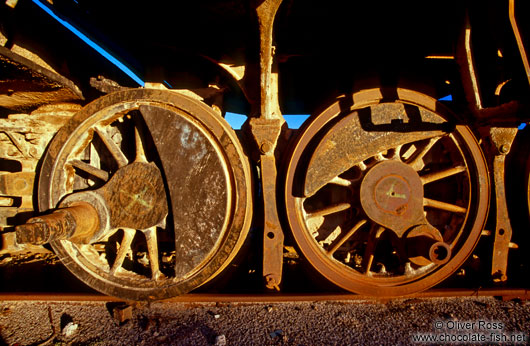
(502, 293)
(281, 319)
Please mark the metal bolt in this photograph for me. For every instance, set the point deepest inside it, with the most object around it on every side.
(505, 148)
(265, 147)
(20, 184)
(272, 282)
(11, 151)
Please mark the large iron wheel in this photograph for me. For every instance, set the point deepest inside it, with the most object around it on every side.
(176, 185)
(384, 195)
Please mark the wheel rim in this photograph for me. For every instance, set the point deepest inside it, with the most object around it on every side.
(341, 197)
(157, 259)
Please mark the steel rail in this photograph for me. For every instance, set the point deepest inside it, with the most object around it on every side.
(504, 293)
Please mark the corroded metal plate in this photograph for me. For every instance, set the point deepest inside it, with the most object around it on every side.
(198, 184)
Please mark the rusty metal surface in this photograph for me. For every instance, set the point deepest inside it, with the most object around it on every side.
(266, 129)
(25, 84)
(169, 180)
(501, 140)
(356, 238)
(76, 223)
(134, 197)
(507, 293)
(424, 244)
(339, 147)
(17, 184)
(266, 133)
(269, 107)
(23, 139)
(519, 38)
(192, 167)
(392, 195)
(115, 152)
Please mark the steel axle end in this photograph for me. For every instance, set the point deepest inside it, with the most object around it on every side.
(36, 233)
(77, 223)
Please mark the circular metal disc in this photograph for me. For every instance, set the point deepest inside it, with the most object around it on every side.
(206, 183)
(338, 231)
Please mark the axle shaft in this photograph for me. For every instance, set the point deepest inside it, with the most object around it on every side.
(77, 223)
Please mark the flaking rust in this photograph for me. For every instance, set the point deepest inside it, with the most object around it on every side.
(501, 143)
(147, 192)
(113, 180)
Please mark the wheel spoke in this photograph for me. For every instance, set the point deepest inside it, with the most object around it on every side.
(369, 253)
(85, 167)
(140, 150)
(94, 159)
(125, 246)
(427, 202)
(397, 150)
(340, 181)
(152, 248)
(417, 162)
(329, 210)
(112, 147)
(348, 235)
(379, 157)
(435, 176)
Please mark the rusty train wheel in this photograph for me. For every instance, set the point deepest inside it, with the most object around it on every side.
(172, 188)
(384, 196)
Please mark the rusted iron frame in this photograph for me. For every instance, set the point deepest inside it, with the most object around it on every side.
(266, 129)
(466, 60)
(518, 38)
(501, 142)
(54, 87)
(266, 133)
(500, 115)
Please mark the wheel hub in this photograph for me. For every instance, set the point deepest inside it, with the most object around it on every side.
(136, 196)
(392, 196)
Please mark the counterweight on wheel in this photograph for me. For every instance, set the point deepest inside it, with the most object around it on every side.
(153, 195)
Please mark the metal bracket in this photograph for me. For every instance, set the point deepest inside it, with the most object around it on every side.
(502, 139)
(266, 133)
(518, 38)
(266, 130)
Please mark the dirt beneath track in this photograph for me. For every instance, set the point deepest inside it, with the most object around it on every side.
(295, 323)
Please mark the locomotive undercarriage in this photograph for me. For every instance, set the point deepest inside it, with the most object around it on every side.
(147, 193)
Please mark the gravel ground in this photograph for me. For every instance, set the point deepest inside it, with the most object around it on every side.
(300, 323)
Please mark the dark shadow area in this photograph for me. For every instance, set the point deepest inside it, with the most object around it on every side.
(65, 319)
(12, 166)
(39, 272)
